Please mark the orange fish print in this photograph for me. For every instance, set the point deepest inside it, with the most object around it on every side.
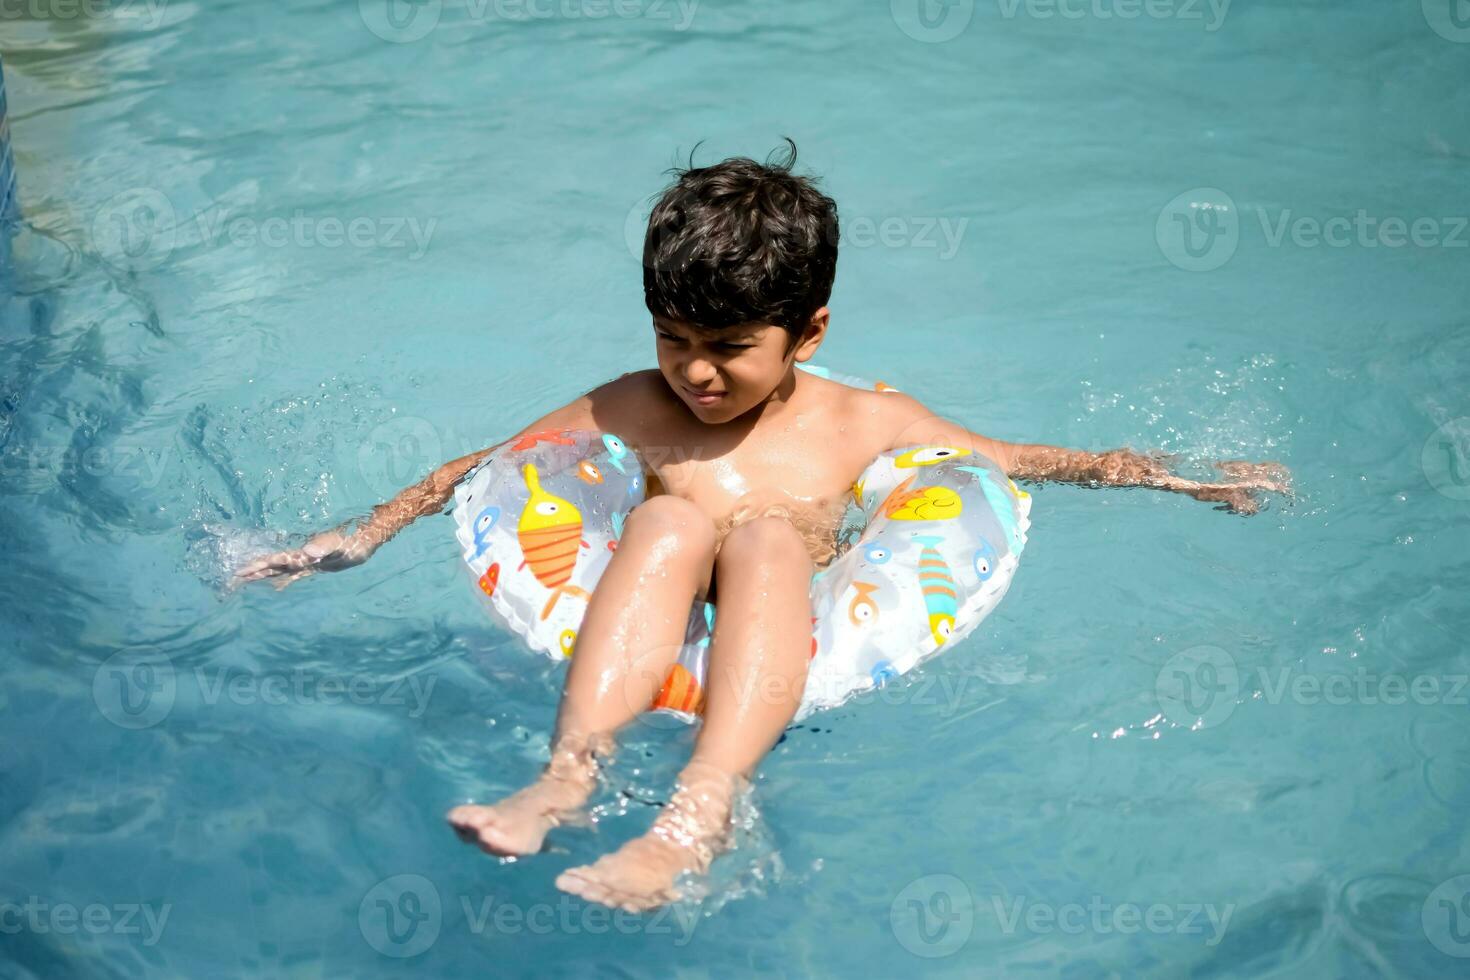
(899, 496)
(545, 435)
(681, 692)
(589, 472)
(863, 610)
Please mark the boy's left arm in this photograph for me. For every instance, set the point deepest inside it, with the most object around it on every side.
(913, 424)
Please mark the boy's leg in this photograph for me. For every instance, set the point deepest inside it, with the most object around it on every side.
(757, 672)
(629, 638)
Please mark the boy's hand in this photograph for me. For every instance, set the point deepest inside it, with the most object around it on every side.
(1242, 494)
(329, 551)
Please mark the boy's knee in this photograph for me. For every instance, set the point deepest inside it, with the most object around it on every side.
(676, 518)
(764, 539)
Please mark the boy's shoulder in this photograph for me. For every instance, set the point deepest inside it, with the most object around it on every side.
(846, 398)
(633, 404)
(889, 419)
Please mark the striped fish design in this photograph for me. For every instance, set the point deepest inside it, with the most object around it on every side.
(941, 593)
(550, 536)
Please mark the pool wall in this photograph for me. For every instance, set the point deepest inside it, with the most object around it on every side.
(9, 199)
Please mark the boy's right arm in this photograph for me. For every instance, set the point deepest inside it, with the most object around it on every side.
(343, 547)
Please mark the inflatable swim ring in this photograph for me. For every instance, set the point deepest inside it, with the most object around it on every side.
(927, 548)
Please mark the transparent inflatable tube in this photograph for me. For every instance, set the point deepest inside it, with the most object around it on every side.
(928, 547)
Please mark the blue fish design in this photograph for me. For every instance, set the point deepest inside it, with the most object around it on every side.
(1001, 503)
(617, 451)
(484, 522)
(985, 560)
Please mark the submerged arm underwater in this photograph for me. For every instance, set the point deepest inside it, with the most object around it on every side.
(1240, 492)
(1126, 468)
(347, 545)
(355, 541)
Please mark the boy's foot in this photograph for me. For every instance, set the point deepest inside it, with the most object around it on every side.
(640, 875)
(518, 824)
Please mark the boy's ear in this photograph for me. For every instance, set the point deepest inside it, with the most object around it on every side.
(816, 332)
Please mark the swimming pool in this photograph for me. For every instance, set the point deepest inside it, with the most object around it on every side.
(278, 262)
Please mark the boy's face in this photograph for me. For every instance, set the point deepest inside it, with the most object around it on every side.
(742, 365)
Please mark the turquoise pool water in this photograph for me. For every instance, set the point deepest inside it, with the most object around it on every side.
(277, 262)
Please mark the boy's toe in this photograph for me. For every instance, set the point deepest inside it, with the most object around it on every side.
(468, 816)
(574, 881)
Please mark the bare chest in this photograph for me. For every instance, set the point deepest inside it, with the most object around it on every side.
(807, 465)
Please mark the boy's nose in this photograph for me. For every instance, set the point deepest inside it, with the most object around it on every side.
(699, 372)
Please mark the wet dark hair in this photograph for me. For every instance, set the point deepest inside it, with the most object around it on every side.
(741, 242)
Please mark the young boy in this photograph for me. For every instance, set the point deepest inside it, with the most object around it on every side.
(758, 459)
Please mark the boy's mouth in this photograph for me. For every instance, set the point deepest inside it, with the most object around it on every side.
(705, 397)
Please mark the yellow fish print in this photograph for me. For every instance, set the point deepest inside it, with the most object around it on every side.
(550, 534)
(921, 504)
